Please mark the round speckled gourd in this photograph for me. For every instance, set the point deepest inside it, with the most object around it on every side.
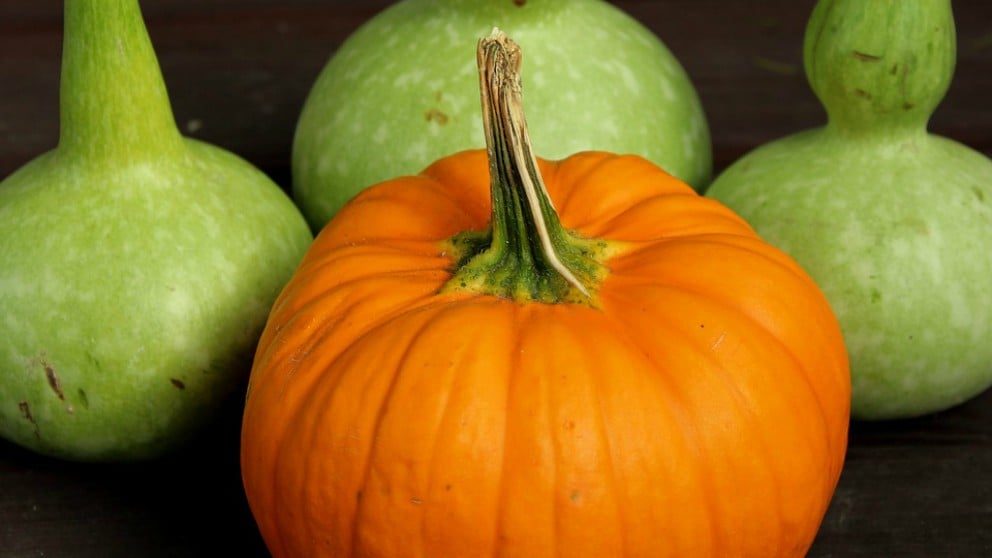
(894, 223)
(136, 266)
(401, 92)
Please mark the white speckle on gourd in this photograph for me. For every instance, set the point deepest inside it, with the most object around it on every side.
(416, 151)
(667, 91)
(627, 78)
(381, 134)
(410, 78)
(688, 145)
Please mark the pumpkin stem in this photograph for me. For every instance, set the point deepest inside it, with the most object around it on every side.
(526, 254)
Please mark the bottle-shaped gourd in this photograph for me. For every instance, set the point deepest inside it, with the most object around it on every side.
(137, 267)
(893, 222)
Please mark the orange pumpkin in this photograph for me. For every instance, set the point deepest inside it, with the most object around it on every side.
(643, 377)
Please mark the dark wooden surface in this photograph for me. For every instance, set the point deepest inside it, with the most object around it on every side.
(238, 71)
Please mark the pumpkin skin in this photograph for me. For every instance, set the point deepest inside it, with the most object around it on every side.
(699, 408)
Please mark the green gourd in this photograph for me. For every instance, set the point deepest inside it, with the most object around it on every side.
(893, 222)
(401, 92)
(136, 266)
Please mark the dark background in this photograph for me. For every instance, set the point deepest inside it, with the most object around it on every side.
(238, 72)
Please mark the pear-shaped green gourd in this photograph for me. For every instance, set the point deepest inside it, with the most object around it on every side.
(401, 92)
(136, 266)
(894, 223)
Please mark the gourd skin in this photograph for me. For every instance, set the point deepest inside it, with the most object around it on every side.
(698, 408)
(77, 384)
(401, 93)
(136, 266)
(893, 223)
(879, 246)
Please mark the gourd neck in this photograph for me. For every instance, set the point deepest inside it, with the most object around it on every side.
(113, 100)
(526, 254)
(880, 68)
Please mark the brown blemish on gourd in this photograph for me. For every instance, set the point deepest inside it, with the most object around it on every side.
(178, 383)
(865, 57)
(25, 409)
(519, 3)
(862, 93)
(53, 379)
(435, 115)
